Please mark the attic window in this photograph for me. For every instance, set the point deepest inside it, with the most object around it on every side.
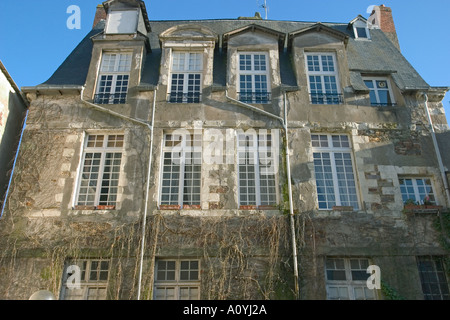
(122, 22)
(361, 30)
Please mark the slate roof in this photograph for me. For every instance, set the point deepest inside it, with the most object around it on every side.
(376, 56)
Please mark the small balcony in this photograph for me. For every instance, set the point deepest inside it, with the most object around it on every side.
(182, 97)
(255, 97)
(326, 98)
(110, 98)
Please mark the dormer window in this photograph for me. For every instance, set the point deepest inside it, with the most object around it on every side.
(122, 22)
(186, 77)
(253, 85)
(113, 78)
(361, 29)
(380, 91)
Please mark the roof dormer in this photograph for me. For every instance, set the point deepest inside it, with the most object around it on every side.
(360, 28)
(126, 17)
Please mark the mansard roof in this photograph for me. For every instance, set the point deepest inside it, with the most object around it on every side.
(378, 56)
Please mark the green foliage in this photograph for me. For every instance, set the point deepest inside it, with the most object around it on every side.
(390, 293)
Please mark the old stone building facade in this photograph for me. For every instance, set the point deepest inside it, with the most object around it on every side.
(230, 159)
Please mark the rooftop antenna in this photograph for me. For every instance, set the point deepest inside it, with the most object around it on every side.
(265, 7)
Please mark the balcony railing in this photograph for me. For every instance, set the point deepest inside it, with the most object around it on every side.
(110, 98)
(383, 104)
(255, 97)
(181, 97)
(326, 98)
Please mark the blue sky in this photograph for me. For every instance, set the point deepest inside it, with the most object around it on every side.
(35, 40)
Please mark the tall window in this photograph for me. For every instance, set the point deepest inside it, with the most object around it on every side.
(181, 171)
(333, 166)
(253, 73)
(113, 79)
(94, 275)
(433, 279)
(177, 280)
(380, 91)
(100, 170)
(347, 279)
(419, 190)
(323, 78)
(186, 77)
(257, 166)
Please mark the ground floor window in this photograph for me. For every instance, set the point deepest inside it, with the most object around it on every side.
(346, 279)
(177, 280)
(432, 277)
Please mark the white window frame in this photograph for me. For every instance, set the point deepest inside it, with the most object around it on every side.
(178, 157)
(348, 285)
(177, 284)
(118, 76)
(258, 153)
(359, 24)
(87, 283)
(103, 150)
(376, 90)
(192, 65)
(324, 97)
(416, 189)
(327, 139)
(264, 97)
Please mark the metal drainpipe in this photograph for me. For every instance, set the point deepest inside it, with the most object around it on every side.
(14, 164)
(436, 149)
(288, 168)
(441, 167)
(150, 159)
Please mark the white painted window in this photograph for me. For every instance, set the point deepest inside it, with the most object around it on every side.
(433, 278)
(361, 30)
(253, 75)
(346, 279)
(122, 22)
(94, 275)
(177, 280)
(380, 91)
(181, 170)
(100, 170)
(334, 172)
(113, 79)
(419, 190)
(186, 77)
(323, 81)
(257, 167)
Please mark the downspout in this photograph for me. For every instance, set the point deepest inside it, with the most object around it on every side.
(283, 122)
(14, 164)
(151, 128)
(441, 166)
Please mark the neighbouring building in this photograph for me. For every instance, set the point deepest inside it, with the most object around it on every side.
(230, 159)
(13, 108)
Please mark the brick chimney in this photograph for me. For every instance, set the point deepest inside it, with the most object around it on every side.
(100, 14)
(381, 17)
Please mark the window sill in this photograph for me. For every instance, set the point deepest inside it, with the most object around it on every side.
(252, 207)
(100, 207)
(422, 209)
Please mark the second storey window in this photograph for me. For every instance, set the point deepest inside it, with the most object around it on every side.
(256, 170)
(186, 77)
(253, 75)
(100, 170)
(181, 171)
(419, 190)
(380, 91)
(323, 78)
(113, 79)
(333, 166)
